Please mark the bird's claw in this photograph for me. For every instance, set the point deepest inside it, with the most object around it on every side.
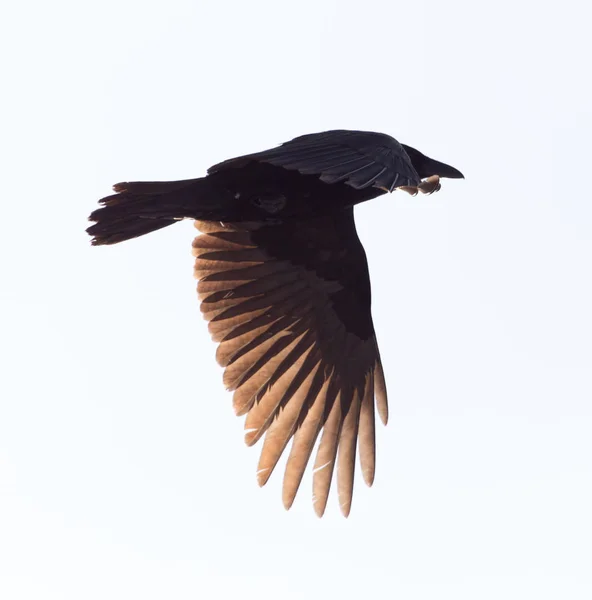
(430, 185)
(427, 186)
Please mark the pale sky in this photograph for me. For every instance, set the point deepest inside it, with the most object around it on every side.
(123, 472)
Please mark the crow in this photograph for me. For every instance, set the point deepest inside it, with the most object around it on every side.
(283, 282)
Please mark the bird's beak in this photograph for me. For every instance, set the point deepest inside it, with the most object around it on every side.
(442, 169)
(426, 166)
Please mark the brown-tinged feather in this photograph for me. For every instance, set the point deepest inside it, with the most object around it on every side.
(346, 459)
(223, 240)
(235, 306)
(288, 308)
(220, 329)
(234, 256)
(248, 364)
(238, 276)
(325, 459)
(219, 227)
(367, 435)
(304, 440)
(250, 289)
(255, 386)
(230, 349)
(204, 267)
(235, 348)
(281, 429)
(380, 391)
(280, 386)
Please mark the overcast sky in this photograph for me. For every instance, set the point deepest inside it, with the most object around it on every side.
(123, 472)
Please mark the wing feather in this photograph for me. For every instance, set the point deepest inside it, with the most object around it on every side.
(281, 430)
(302, 446)
(325, 460)
(280, 385)
(347, 451)
(380, 391)
(367, 435)
(289, 305)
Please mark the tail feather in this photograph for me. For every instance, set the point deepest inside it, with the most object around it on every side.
(153, 187)
(112, 232)
(140, 207)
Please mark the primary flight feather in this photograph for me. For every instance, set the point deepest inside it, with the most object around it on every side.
(284, 285)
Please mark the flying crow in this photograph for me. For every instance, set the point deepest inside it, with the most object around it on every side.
(284, 285)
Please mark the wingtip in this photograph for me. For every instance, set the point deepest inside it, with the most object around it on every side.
(263, 476)
(368, 476)
(288, 501)
(252, 435)
(319, 508)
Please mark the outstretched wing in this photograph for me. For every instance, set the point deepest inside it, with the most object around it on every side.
(289, 305)
(359, 158)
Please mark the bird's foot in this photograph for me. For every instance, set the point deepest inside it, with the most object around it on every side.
(430, 185)
(427, 186)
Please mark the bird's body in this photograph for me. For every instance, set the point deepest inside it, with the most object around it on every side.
(283, 282)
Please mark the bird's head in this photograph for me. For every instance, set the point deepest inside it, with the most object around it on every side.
(427, 167)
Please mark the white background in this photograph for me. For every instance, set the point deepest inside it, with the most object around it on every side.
(123, 472)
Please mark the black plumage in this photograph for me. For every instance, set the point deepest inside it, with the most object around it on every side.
(283, 282)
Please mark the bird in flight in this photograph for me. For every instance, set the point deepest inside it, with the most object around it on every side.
(283, 282)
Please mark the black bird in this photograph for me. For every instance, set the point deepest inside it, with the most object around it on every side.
(283, 282)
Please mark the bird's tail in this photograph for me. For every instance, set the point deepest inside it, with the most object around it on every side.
(140, 207)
